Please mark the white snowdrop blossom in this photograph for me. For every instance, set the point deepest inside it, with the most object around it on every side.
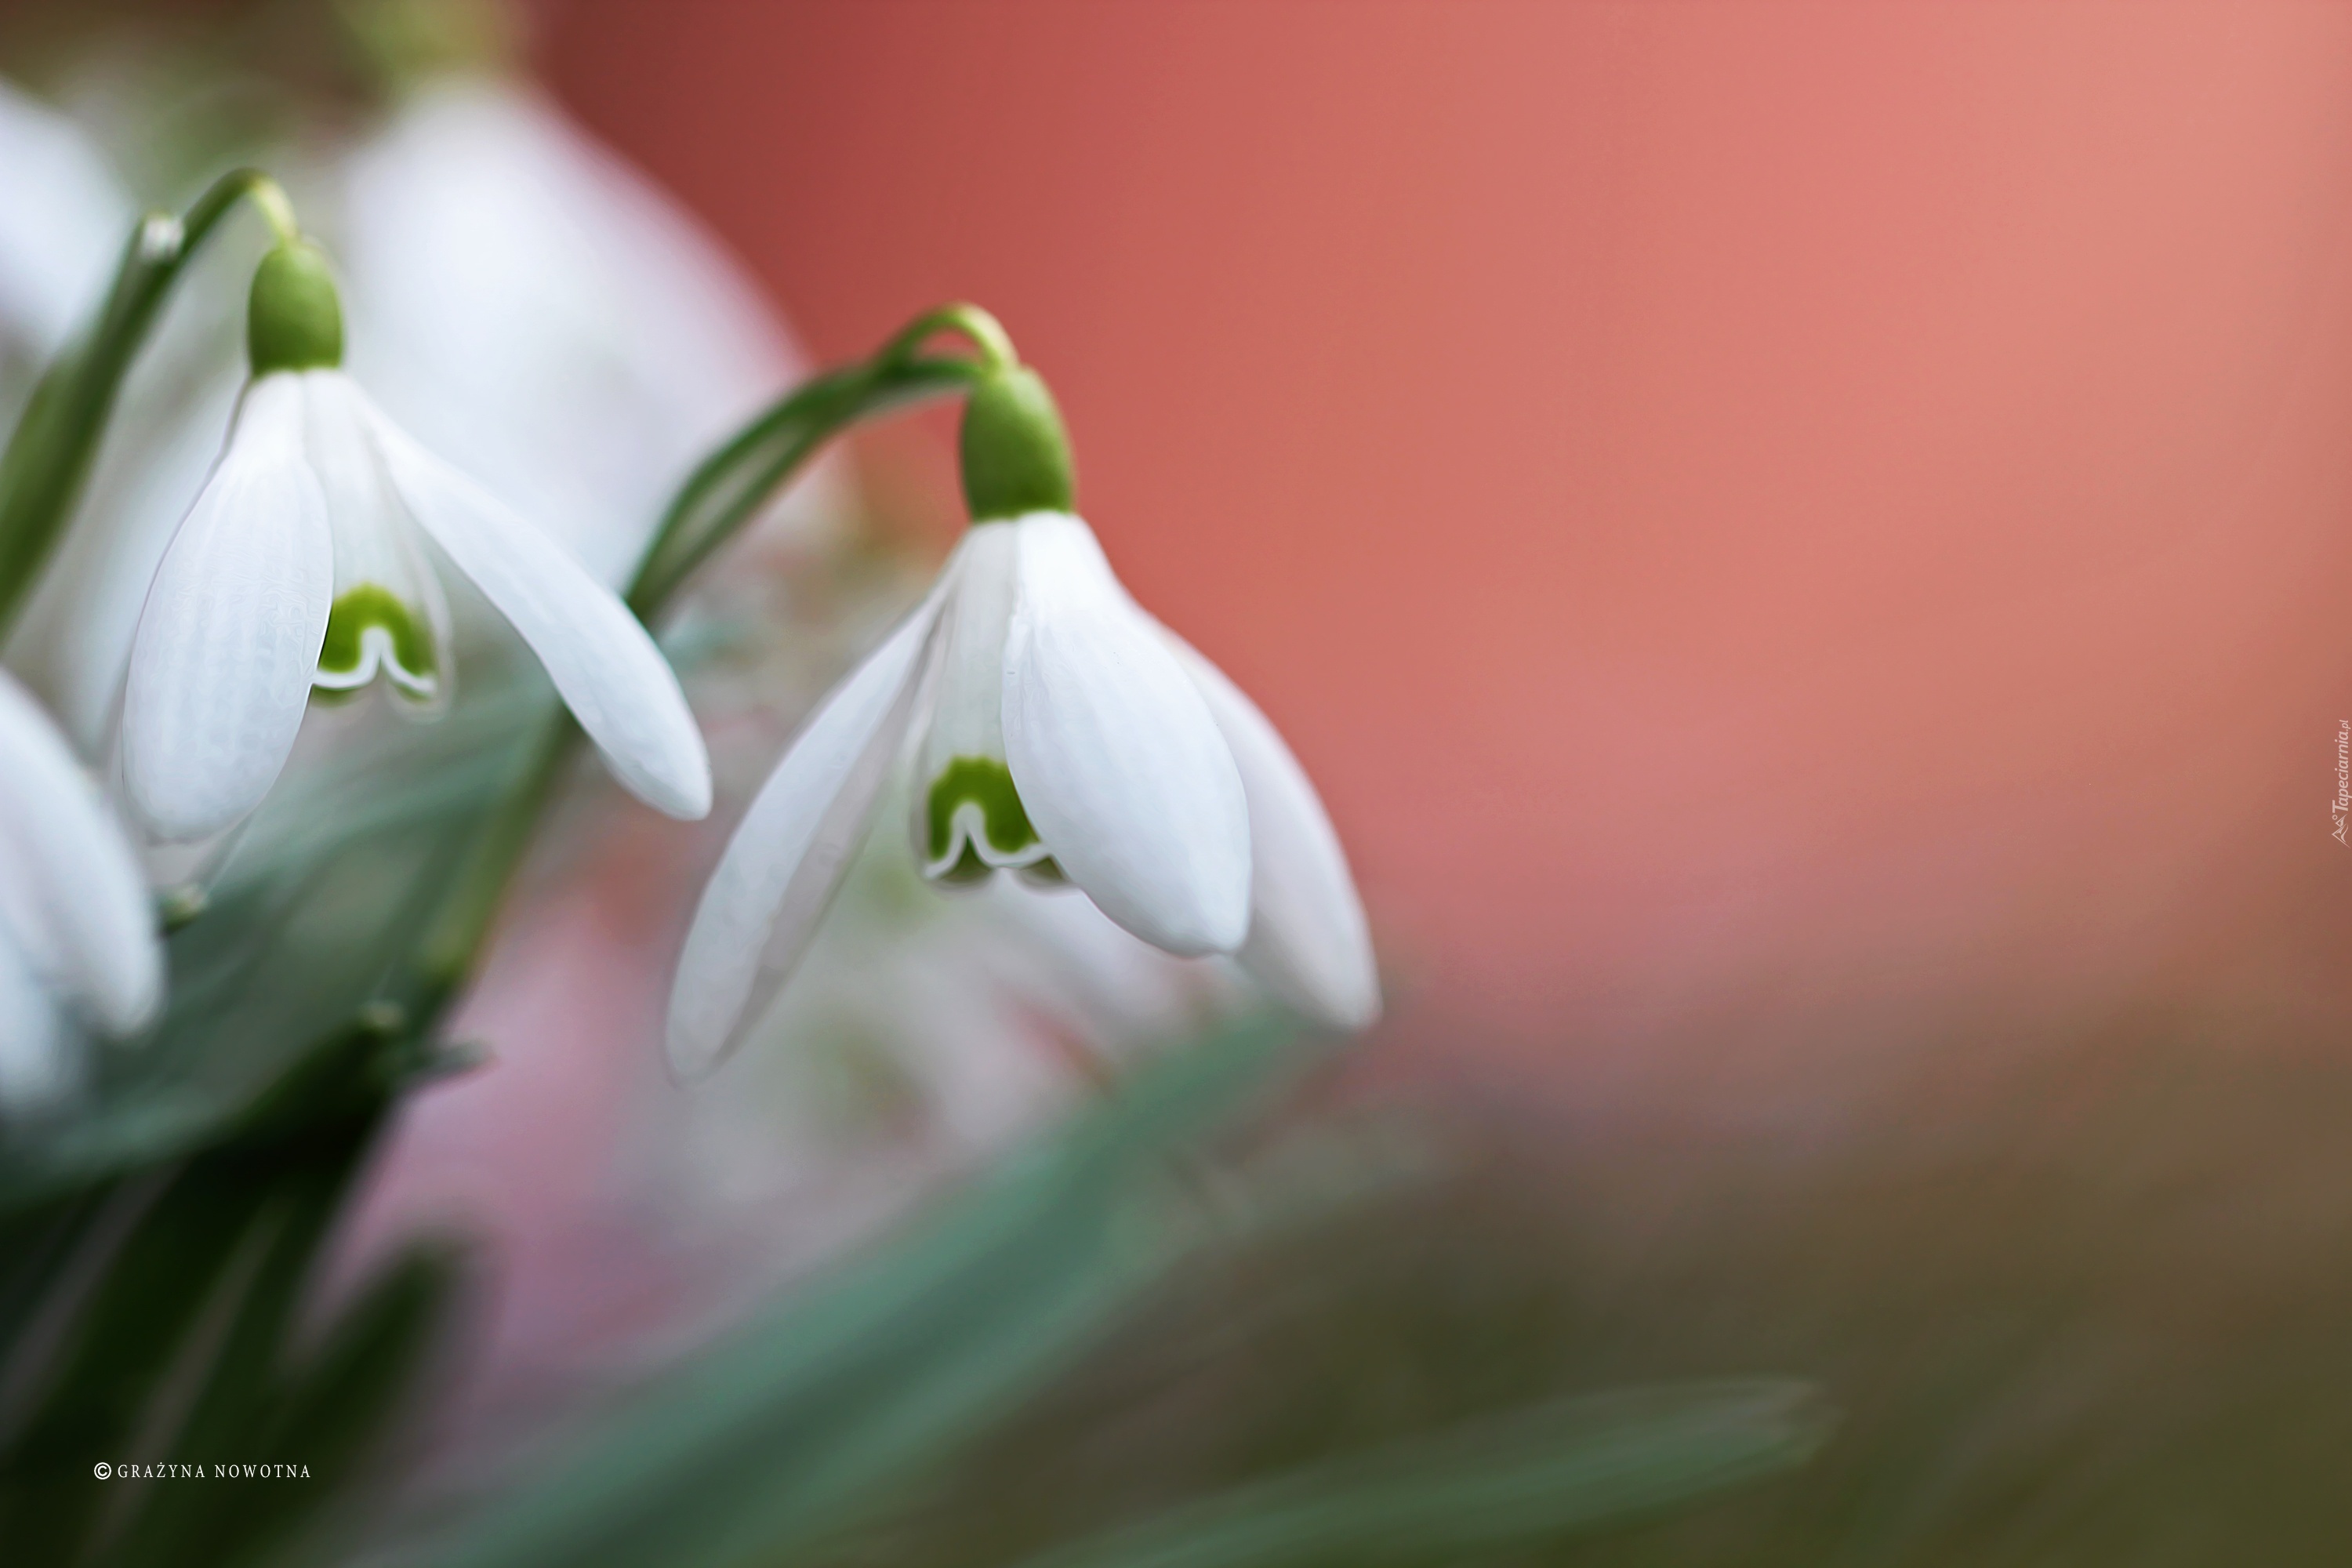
(62, 222)
(78, 945)
(309, 561)
(1056, 730)
(538, 312)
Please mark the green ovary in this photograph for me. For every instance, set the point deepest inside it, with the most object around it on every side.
(987, 784)
(344, 653)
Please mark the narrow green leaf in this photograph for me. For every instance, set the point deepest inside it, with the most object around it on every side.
(188, 1523)
(852, 1385)
(121, 1346)
(333, 1412)
(1557, 1470)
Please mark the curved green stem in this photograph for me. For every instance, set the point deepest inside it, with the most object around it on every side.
(979, 328)
(50, 453)
(738, 480)
(722, 493)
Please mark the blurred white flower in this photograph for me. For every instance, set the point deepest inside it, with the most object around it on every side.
(73, 642)
(65, 219)
(547, 319)
(78, 945)
(63, 223)
(923, 1035)
(306, 559)
(1058, 730)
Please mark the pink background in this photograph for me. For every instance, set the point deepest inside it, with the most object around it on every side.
(1767, 513)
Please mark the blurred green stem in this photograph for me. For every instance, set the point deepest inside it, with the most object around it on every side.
(55, 444)
(722, 494)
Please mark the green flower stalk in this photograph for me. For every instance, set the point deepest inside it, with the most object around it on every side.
(48, 461)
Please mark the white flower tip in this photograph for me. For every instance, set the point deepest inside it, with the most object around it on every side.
(128, 998)
(1352, 1005)
(670, 773)
(684, 789)
(718, 972)
(1211, 921)
(690, 1048)
(1329, 981)
(175, 806)
(1314, 957)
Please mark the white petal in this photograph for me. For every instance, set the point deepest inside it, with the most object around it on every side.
(37, 1043)
(220, 668)
(72, 643)
(789, 854)
(1308, 942)
(73, 872)
(1119, 766)
(603, 663)
(376, 547)
(964, 723)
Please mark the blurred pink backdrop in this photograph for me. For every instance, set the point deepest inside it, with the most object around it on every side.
(1758, 513)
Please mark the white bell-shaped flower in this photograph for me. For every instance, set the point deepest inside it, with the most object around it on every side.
(78, 945)
(309, 561)
(543, 315)
(1056, 730)
(62, 220)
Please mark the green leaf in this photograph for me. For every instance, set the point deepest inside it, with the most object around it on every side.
(122, 1344)
(292, 1217)
(271, 983)
(782, 1435)
(1557, 1470)
(333, 1413)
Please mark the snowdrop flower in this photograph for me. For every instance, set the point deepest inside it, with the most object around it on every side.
(78, 946)
(538, 312)
(309, 560)
(62, 221)
(1054, 730)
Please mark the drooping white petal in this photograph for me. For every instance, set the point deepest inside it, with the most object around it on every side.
(391, 617)
(1308, 942)
(789, 854)
(220, 668)
(72, 871)
(1119, 764)
(603, 663)
(37, 1043)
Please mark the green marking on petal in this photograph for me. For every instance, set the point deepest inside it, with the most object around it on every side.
(986, 783)
(969, 868)
(343, 656)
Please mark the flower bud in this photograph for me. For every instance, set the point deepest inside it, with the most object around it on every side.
(1017, 456)
(293, 320)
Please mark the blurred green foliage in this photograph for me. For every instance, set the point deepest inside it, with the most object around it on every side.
(820, 1429)
(2082, 1303)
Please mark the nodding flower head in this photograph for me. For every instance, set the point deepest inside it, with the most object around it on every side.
(311, 563)
(1053, 730)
